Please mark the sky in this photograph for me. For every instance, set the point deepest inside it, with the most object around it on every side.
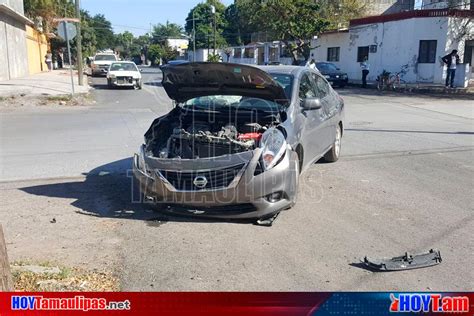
(136, 16)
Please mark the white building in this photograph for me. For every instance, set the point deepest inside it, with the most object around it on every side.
(415, 39)
(443, 4)
(178, 44)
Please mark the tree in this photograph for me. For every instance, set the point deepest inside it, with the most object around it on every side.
(157, 52)
(45, 11)
(163, 31)
(295, 22)
(103, 32)
(204, 20)
(124, 43)
(339, 12)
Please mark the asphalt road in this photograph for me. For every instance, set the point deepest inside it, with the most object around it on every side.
(404, 183)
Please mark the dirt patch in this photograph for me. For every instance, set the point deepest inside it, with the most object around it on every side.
(47, 277)
(27, 101)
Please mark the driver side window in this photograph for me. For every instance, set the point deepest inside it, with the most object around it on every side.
(306, 88)
(322, 86)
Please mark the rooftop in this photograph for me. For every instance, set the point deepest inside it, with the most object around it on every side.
(413, 14)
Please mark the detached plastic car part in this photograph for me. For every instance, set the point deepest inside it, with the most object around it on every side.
(405, 262)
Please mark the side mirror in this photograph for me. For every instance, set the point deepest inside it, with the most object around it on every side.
(312, 104)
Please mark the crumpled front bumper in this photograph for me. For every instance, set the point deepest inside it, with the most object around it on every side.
(124, 83)
(247, 197)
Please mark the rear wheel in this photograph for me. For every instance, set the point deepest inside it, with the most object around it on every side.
(333, 154)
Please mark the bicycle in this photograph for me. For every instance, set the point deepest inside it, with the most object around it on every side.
(395, 81)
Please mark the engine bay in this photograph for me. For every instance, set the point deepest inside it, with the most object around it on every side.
(196, 134)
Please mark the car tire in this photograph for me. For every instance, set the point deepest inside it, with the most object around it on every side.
(109, 83)
(140, 85)
(333, 154)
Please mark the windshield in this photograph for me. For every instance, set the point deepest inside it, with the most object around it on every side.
(326, 67)
(123, 67)
(285, 81)
(104, 57)
(223, 102)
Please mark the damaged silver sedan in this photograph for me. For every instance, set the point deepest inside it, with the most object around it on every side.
(238, 138)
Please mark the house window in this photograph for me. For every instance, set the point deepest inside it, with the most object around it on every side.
(362, 53)
(249, 52)
(237, 52)
(333, 53)
(427, 53)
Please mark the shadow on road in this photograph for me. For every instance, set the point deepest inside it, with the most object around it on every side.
(107, 192)
(153, 83)
(406, 131)
(356, 91)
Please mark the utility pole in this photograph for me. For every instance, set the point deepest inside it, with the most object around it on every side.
(6, 283)
(79, 44)
(213, 10)
(194, 37)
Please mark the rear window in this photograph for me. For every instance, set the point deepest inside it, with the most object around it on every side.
(105, 57)
(326, 67)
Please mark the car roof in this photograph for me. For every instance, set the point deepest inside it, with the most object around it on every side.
(123, 62)
(286, 69)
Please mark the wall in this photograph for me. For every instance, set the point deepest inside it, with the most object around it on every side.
(436, 4)
(16, 5)
(378, 7)
(397, 45)
(13, 53)
(37, 47)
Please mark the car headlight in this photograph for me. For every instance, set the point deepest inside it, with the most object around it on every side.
(141, 159)
(273, 145)
(111, 76)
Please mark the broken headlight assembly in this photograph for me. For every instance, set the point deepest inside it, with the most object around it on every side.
(273, 146)
(141, 164)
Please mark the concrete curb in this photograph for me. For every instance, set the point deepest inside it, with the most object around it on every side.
(461, 92)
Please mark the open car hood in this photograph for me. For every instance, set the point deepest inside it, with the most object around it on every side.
(187, 81)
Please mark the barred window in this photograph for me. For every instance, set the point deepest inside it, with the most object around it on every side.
(333, 54)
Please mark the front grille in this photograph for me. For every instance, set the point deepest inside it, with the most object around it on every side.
(122, 79)
(216, 179)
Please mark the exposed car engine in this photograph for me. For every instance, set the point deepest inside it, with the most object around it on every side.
(184, 138)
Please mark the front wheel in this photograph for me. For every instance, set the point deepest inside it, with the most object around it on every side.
(333, 154)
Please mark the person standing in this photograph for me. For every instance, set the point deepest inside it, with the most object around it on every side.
(48, 59)
(365, 71)
(451, 60)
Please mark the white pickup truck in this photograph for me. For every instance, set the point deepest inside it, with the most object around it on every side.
(101, 63)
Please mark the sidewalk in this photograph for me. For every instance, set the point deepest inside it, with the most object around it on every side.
(421, 88)
(56, 82)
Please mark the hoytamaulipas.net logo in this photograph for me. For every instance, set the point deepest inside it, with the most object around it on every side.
(76, 303)
(428, 302)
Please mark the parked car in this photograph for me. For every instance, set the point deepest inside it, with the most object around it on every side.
(177, 62)
(101, 63)
(333, 74)
(124, 74)
(238, 138)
